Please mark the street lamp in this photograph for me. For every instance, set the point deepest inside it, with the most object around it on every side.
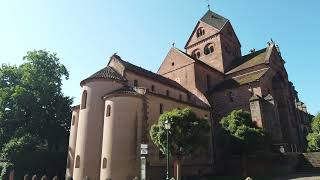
(167, 126)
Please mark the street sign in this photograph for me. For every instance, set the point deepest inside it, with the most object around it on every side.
(144, 149)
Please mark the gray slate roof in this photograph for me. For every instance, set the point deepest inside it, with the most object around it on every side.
(214, 20)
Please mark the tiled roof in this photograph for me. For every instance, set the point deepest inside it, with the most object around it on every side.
(151, 75)
(124, 90)
(106, 73)
(214, 20)
(250, 60)
(240, 80)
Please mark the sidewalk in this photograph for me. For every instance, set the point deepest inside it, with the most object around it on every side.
(314, 176)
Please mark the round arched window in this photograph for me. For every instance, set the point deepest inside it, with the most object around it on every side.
(84, 99)
(196, 54)
(200, 32)
(208, 49)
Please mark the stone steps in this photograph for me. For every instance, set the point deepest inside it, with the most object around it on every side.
(309, 162)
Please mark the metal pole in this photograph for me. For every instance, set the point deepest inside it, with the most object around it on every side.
(167, 154)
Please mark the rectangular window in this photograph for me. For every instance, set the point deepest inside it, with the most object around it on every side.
(161, 109)
(135, 83)
(108, 111)
(208, 82)
(152, 88)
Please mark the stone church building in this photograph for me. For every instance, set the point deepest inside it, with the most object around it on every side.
(120, 102)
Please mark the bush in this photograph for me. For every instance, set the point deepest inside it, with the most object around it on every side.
(5, 168)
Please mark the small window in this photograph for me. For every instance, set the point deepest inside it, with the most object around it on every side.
(231, 97)
(200, 32)
(108, 111)
(196, 54)
(68, 162)
(172, 63)
(208, 49)
(152, 88)
(77, 162)
(168, 93)
(161, 109)
(104, 163)
(73, 120)
(208, 82)
(135, 83)
(84, 99)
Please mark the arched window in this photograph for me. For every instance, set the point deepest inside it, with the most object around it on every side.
(196, 54)
(108, 111)
(77, 162)
(200, 32)
(231, 96)
(84, 99)
(208, 49)
(73, 120)
(104, 163)
(68, 162)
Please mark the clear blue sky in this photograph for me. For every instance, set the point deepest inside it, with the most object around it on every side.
(85, 33)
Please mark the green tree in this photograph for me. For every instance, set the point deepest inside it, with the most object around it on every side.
(34, 113)
(188, 133)
(314, 136)
(238, 132)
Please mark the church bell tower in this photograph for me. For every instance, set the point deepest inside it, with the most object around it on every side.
(214, 42)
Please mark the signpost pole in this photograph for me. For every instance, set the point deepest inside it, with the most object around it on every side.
(143, 153)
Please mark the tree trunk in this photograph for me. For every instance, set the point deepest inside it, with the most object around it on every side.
(244, 164)
(177, 169)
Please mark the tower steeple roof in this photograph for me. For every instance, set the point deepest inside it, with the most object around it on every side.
(213, 19)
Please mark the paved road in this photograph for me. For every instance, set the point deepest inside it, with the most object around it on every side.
(301, 177)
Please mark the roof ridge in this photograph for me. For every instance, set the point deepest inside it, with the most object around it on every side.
(105, 73)
(250, 72)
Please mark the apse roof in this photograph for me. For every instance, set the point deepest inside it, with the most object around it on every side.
(106, 73)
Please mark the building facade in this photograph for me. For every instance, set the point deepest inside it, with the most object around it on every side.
(120, 102)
